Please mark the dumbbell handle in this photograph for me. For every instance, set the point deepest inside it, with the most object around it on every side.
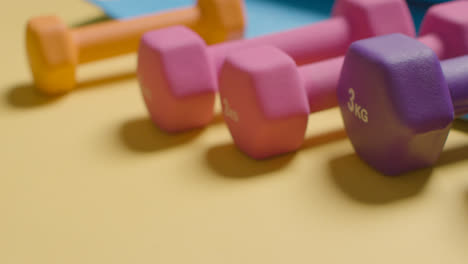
(456, 74)
(300, 44)
(321, 78)
(112, 38)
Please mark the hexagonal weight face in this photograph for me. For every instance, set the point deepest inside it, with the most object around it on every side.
(372, 17)
(222, 19)
(264, 102)
(449, 21)
(395, 103)
(51, 54)
(169, 59)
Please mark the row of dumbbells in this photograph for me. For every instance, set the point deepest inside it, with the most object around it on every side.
(397, 100)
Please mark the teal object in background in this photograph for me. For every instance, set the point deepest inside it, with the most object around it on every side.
(120, 9)
(265, 16)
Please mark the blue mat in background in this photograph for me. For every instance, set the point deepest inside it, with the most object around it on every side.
(264, 16)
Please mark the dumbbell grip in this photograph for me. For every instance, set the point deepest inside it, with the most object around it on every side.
(300, 44)
(118, 37)
(321, 79)
(456, 74)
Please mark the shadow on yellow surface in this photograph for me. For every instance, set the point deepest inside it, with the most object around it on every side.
(466, 204)
(218, 118)
(141, 135)
(453, 155)
(93, 83)
(324, 138)
(27, 96)
(460, 125)
(228, 161)
(91, 21)
(364, 184)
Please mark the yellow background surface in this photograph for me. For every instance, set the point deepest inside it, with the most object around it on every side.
(86, 178)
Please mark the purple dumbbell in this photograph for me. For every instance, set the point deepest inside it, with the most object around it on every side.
(398, 101)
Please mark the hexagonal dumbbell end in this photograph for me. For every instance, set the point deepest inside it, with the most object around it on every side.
(395, 103)
(449, 22)
(51, 54)
(168, 60)
(370, 18)
(222, 20)
(264, 118)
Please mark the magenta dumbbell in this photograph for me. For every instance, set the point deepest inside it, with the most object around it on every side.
(267, 99)
(409, 97)
(178, 72)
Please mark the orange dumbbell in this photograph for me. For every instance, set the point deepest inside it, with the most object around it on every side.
(54, 51)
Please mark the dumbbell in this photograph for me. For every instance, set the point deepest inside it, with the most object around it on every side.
(54, 51)
(178, 72)
(266, 98)
(410, 98)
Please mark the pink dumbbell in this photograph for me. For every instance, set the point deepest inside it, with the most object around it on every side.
(267, 99)
(178, 72)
